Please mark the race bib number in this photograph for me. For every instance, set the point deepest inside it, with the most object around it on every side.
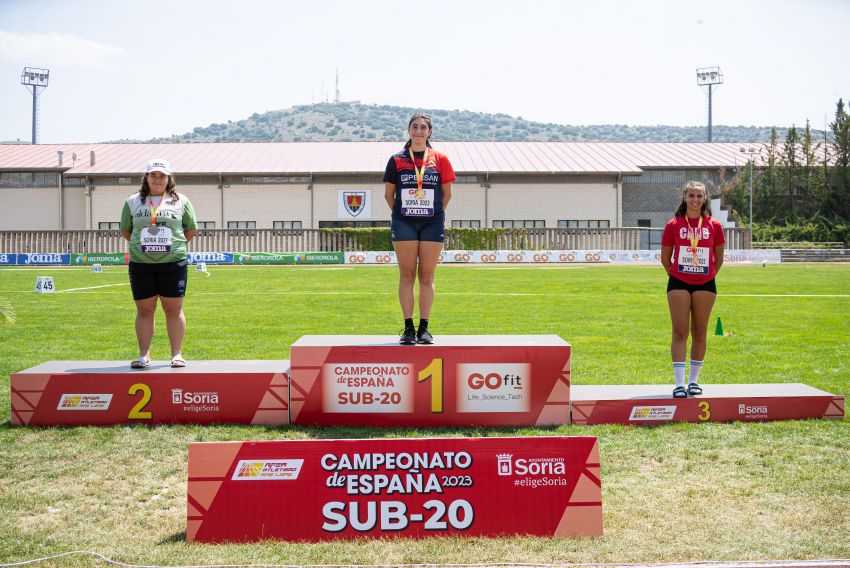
(413, 207)
(155, 239)
(689, 263)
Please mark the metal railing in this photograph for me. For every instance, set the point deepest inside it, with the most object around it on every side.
(303, 240)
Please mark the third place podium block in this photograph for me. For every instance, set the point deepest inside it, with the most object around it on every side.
(654, 404)
(486, 380)
(69, 393)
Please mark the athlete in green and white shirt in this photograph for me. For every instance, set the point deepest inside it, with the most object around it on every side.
(159, 223)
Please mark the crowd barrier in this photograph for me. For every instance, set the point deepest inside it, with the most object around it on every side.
(596, 256)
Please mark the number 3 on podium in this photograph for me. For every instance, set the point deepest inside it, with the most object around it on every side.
(434, 371)
(137, 413)
(706, 411)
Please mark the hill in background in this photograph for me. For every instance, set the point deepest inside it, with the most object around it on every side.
(352, 122)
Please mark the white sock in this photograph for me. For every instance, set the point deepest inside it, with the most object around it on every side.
(693, 373)
(679, 373)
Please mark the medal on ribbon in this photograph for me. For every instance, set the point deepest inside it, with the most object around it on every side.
(420, 173)
(694, 238)
(154, 229)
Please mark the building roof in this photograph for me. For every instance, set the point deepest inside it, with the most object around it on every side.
(276, 158)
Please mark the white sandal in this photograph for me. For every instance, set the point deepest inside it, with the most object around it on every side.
(140, 363)
(178, 361)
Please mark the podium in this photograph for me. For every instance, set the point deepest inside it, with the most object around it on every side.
(462, 380)
(318, 490)
(654, 404)
(70, 393)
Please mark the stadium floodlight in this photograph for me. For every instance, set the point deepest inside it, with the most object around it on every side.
(709, 77)
(751, 154)
(34, 78)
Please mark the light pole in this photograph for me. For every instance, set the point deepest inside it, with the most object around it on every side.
(708, 77)
(34, 79)
(751, 153)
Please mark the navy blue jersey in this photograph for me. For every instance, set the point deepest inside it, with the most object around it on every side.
(409, 202)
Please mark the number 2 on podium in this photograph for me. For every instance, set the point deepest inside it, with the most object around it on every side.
(434, 371)
(137, 413)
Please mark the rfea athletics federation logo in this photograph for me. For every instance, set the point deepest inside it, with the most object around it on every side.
(84, 402)
(264, 470)
(354, 202)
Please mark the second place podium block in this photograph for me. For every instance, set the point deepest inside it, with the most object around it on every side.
(495, 380)
(70, 393)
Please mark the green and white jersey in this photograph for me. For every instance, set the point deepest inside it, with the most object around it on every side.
(165, 242)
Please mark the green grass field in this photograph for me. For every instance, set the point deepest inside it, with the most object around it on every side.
(671, 493)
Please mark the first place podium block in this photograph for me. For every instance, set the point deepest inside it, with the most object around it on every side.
(461, 380)
(70, 393)
(654, 404)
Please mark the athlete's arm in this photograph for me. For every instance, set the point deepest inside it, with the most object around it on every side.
(718, 256)
(190, 234)
(447, 193)
(389, 194)
(666, 251)
(127, 234)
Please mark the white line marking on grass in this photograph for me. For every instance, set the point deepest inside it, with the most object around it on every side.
(312, 293)
(786, 295)
(92, 287)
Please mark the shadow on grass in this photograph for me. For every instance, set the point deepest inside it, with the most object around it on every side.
(176, 538)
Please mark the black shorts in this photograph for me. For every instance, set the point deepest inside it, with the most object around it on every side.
(408, 230)
(675, 284)
(167, 279)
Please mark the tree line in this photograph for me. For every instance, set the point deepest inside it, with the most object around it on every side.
(800, 185)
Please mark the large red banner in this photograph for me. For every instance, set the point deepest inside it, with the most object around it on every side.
(314, 490)
(654, 404)
(495, 380)
(67, 393)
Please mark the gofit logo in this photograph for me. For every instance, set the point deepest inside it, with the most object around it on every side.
(461, 257)
(516, 257)
(84, 402)
(493, 381)
(488, 257)
(592, 257)
(383, 258)
(256, 470)
(504, 464)
(540, 257)
(494, 387)
(567, 257)
(652, 413)
(357, 258)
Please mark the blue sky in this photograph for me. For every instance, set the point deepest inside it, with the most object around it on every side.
(132, 69)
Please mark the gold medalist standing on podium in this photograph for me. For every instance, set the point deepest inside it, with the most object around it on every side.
(418, 187)
(691, 253)
(159, 223)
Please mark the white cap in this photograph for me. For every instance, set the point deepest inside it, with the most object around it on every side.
(159, 165)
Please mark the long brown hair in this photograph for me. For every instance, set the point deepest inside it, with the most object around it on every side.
(169, 189)
(427, 119)
(706, 203)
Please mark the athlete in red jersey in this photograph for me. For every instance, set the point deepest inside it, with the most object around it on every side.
(418, 187)
(691, 253)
